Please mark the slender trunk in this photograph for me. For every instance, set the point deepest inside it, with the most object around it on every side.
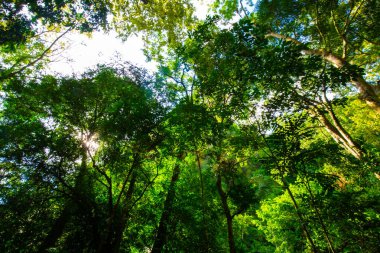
(321, 222)
(203, 201)
(119, 214)
(110, 197)
(300, 216)
(367, 92)
(118, 222)
(339, 137)
(161, 235)
(124, 216)
(227, 212)
(346, 136)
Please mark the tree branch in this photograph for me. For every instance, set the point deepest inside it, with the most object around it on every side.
(42, 55)
(367, 91)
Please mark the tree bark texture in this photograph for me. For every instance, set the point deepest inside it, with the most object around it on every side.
(341, 136)
(161, 235)
(227, 213)
(367, 91)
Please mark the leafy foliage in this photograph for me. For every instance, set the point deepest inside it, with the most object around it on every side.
(249, 138)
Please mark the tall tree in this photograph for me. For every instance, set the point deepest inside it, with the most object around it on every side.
(340, 32)
(93, 111)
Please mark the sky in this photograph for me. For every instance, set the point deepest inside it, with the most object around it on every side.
(84, 52)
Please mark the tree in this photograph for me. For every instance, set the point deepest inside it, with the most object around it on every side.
(246, 140)
(27, 25)
(90, 110)
(24, 25)
(340, 32)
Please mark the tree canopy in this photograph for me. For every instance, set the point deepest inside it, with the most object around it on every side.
(259, 131)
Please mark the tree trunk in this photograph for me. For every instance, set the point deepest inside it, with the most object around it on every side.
(300, 216)
(227, 213)
(161, 235)
(333, 125)
(367, 92)
(56, 231)
(118, 222)
(60, 223)
(346, 136)
(321, 222)
(340, 135)
(119, 213)
(205, 248)
(124, 216)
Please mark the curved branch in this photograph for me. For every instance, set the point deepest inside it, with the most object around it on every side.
(42, 55)
(366, 91)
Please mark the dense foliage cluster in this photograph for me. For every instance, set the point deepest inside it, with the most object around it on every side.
(259, 132)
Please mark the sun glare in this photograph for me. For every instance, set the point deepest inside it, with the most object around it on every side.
(90, 142)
